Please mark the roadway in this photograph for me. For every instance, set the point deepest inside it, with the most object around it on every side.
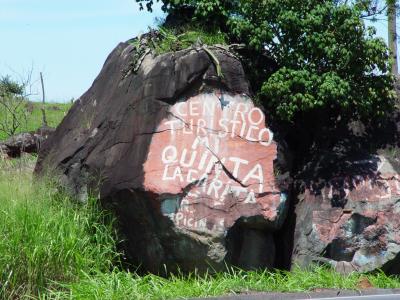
(368, 294)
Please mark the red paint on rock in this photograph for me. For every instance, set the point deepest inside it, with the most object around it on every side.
(211, 162)
(367, 222)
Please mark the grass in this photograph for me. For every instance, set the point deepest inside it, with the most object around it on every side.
(172, 40)
(124, 285)
(55, 112)
(54, 248)
(45, 237)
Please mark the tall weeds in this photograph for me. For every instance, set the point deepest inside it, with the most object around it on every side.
(44, 236)
(54, 248)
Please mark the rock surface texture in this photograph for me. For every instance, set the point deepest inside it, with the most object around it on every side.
(351, 220)
(183, 157)
(27, 142)
(191, 169)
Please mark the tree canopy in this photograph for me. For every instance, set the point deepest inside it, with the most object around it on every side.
(9, 86)
(317, 54)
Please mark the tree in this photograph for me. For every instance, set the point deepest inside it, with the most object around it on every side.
(44, 120)
(375, 9)
(317, 54)
(13, 110)
(392, 34)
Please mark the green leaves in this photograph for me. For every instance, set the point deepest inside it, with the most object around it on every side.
(323, 55)
(174, 41)
(9, 86)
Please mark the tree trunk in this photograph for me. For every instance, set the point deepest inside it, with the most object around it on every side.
(392, 35)
(44, 122)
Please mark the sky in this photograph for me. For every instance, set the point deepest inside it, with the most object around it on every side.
(69, 40)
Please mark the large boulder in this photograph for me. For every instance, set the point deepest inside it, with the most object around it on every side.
(181, 154)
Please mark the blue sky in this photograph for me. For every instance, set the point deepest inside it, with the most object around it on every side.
(68, 40)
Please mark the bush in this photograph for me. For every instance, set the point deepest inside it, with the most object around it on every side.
(13, 112)
(175, 40)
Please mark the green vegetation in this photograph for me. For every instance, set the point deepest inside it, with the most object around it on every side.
(174, 40)
(55, 112)
(13, 112)
(18, 114)
(301, 56)
(123, 285)
(9, 86)
(53, 248)
(46, 237)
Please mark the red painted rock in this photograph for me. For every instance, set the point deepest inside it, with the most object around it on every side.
(214, 154)
(183, 157)
(353, 221)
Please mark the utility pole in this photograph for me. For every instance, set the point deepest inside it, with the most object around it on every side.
(392, 34)
(44, 121)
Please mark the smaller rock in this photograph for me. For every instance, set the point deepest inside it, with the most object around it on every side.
(23, 142)
(28, 142)
(351, 221)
